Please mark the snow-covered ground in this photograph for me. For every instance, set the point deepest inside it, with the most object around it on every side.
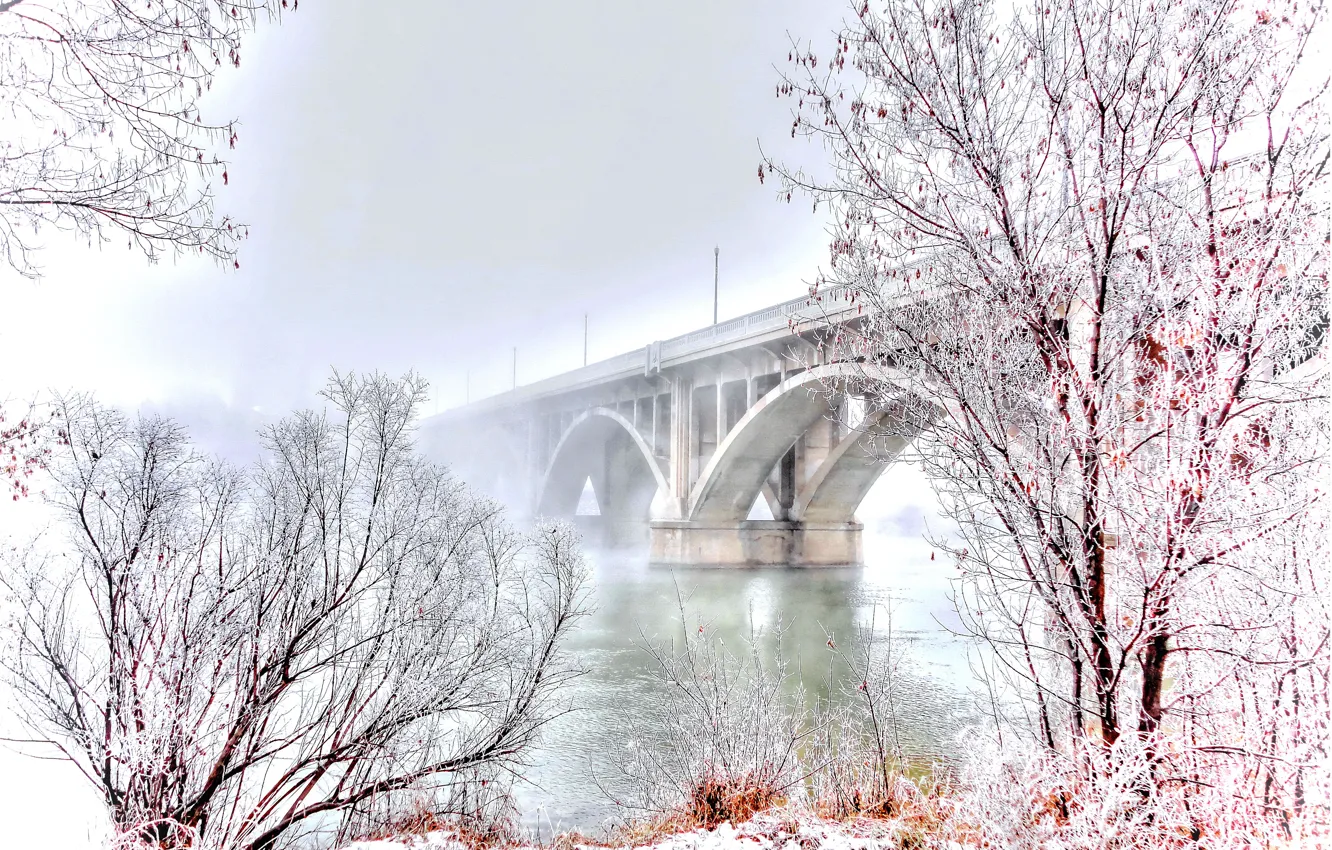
(778, 830)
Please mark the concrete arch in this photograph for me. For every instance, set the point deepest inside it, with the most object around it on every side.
(605, 446)
(734, 476)
(846, 475)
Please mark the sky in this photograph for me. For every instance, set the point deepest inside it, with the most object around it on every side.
(433, 184)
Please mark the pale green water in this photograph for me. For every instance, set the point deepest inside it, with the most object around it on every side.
(634, 601)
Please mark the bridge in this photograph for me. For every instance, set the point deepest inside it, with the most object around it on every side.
(744, 443)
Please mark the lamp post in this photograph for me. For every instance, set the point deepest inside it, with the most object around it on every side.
(716, 261)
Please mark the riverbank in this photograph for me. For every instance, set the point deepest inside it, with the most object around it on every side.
(782, 829)
(798, 829)
(1000, 799)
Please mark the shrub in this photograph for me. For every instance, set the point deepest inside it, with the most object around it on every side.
(242, 656)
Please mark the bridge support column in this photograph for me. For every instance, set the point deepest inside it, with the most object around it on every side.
(754, 543)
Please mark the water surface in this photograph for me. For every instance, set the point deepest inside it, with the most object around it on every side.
(572, 780)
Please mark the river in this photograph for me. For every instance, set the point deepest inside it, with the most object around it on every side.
(572, 778)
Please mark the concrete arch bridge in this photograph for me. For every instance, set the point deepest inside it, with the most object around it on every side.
(743, 443)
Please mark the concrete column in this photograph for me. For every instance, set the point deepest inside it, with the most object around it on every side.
(696, 445)
(655, 396)
(721, 409)
(786, 480)
(818, 441)
(797, 468)
(534, 462)
(682, 438)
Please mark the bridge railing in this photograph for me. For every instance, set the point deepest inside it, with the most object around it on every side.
(803, 313)
(809, 308)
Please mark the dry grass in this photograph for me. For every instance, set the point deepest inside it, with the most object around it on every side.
(473, 832)
(896, 791)
(418, 820)
(713, 799)
(717, 798)
(575, 839)
(644, 831)
(485, 834)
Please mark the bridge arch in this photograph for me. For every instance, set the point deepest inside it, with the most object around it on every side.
(601, 444)
(846, 475)
(736, 474)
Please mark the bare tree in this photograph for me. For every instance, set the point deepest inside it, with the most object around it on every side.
(243, 656)
(103, 131)
(1091, 233)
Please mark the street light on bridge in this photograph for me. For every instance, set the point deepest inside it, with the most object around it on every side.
(716, 261)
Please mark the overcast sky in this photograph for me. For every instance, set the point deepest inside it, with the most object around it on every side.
(433, 183)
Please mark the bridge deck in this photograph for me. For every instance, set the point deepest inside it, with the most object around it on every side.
(774, 323)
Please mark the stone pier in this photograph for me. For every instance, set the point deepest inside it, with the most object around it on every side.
(755, 543)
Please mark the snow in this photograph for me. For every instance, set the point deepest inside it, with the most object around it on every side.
(779, 830)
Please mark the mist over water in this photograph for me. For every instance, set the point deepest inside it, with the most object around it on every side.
(572, 782)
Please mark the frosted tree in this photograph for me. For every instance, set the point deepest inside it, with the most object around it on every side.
(237, 657)
(1092, 237)
(103, 133)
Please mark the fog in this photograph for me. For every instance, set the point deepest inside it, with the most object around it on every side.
(432, 184)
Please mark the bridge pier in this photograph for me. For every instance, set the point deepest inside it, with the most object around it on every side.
(755, 543)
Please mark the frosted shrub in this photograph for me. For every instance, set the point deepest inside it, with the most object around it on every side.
(236, 658)
(1021, 796)
(724, 742)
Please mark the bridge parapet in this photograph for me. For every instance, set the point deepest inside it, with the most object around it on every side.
(807, 315)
